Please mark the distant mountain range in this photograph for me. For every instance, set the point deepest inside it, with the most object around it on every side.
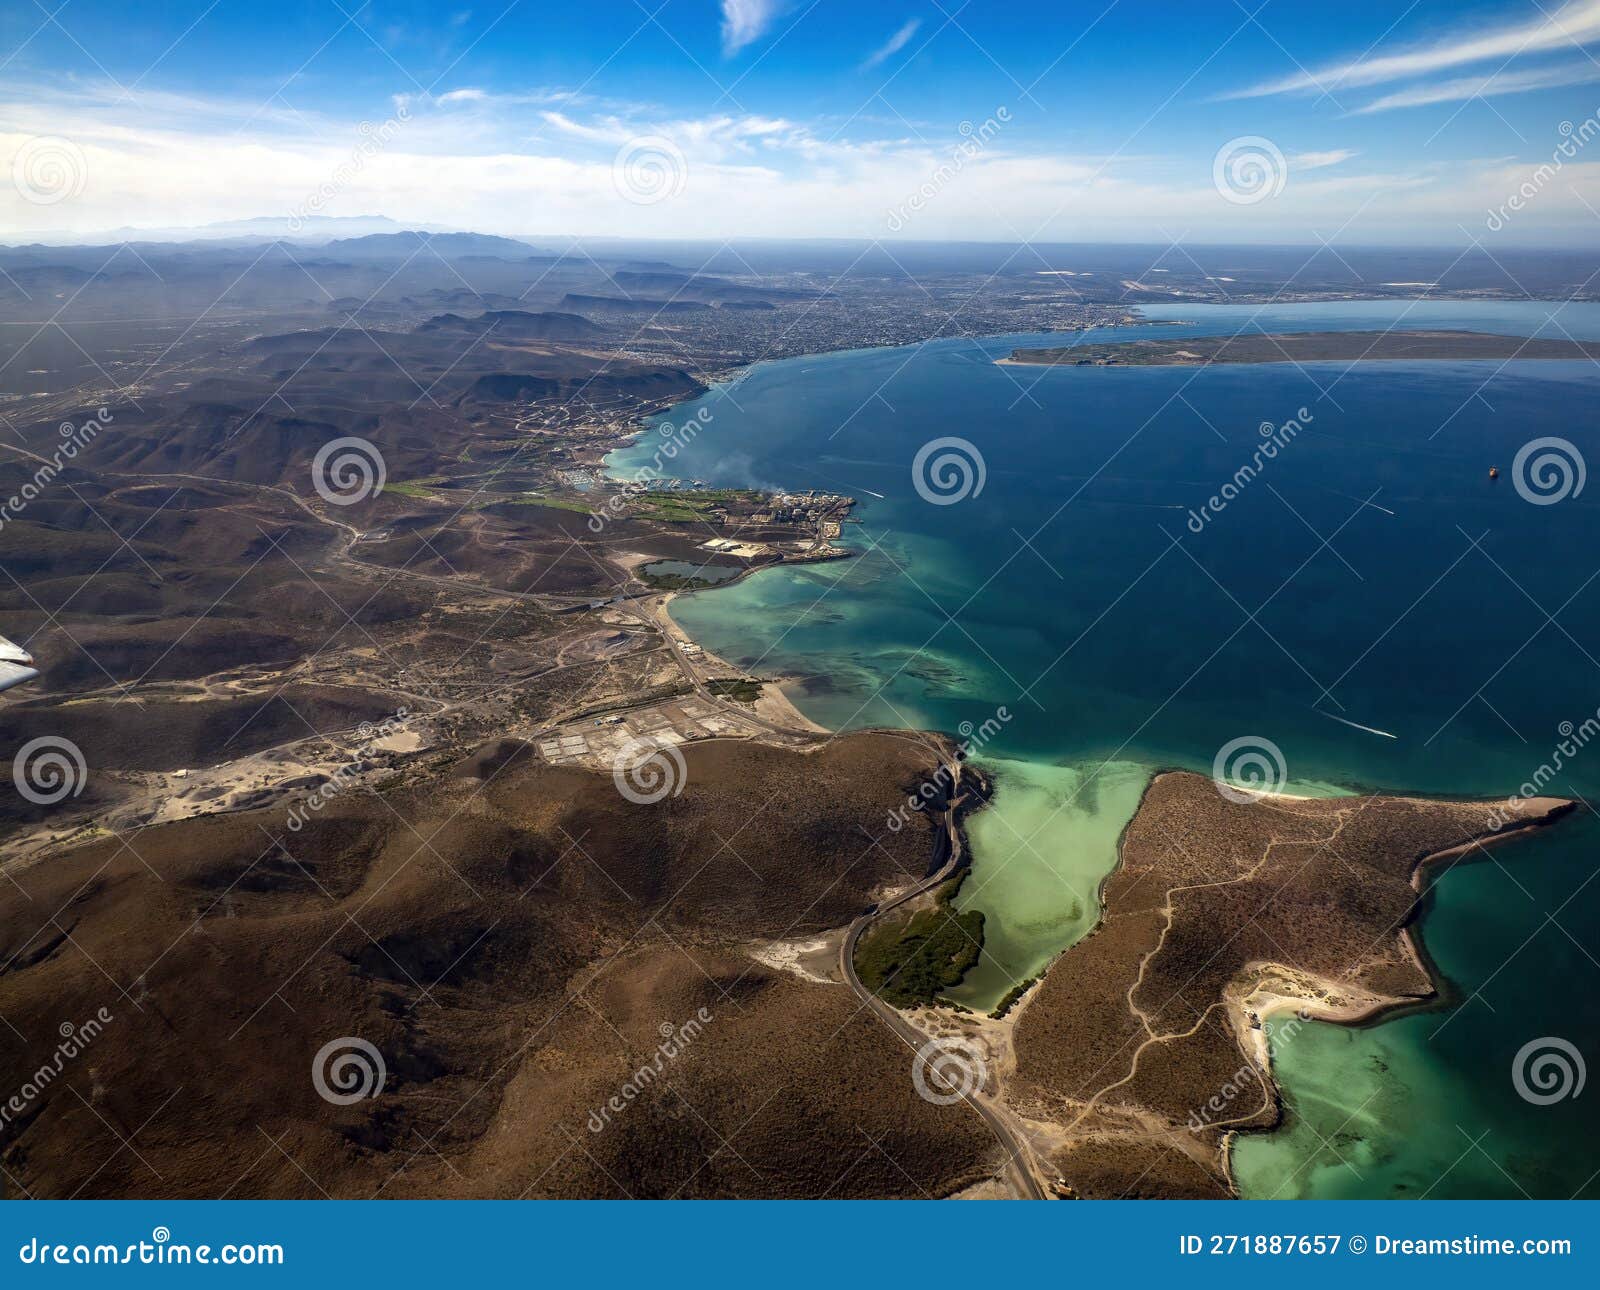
(311, 230)
(408, 241)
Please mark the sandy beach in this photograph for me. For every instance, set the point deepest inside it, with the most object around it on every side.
(773, 705)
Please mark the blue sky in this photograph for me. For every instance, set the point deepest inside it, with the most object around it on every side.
(1104, 120)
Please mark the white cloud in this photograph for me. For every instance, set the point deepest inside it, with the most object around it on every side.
(1317, 160)
(609, 131)
(893, 45)
(1470, 87)
(746, 21)
(718, 138)
(1576, 23)
(474, 166)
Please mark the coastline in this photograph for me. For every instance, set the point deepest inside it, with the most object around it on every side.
(1346, 346)
(774, 704)
(1270, 990)
(1265, 990)
(1321, 998)
(1373, 1009)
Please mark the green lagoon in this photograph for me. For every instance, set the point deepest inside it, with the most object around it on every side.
(1039, 853)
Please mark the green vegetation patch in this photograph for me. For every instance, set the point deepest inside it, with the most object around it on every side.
(698, 504)
(740, 691)
(672, 510)
(1012, 995)
(675, 581)
(722, 495)
(554, 504)
(418, 488)
(909, 961)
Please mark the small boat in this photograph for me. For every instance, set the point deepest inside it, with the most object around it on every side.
(1494, 472)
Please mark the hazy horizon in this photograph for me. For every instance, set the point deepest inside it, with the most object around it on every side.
(325, 229)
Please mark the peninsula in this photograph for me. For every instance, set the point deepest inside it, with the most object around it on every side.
(1145, 1046)
(1307, 347)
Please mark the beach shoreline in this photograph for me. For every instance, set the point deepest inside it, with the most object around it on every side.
(1250, 1011)
(773, 704)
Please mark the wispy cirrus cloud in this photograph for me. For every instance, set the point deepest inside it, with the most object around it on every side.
(1574, 24)
(893, 45)
(1317, 160)
(746, 21)
(719, 137)
(1475, 87)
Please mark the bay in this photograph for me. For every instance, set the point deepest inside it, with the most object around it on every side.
(1095, 610)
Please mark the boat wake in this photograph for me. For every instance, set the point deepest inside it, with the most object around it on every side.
(1356, 725)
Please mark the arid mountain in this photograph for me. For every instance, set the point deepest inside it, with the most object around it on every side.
(514, 941)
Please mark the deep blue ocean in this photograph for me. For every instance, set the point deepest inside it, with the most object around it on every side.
(1369, 572)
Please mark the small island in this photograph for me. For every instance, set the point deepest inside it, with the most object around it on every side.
(1307, 347)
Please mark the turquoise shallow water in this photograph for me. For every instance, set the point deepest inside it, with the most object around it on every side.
(1369, 572)
(1039, 853)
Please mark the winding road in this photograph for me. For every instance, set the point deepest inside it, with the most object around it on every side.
(1021, 1172)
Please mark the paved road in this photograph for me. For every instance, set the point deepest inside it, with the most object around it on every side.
(1019, 1168)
